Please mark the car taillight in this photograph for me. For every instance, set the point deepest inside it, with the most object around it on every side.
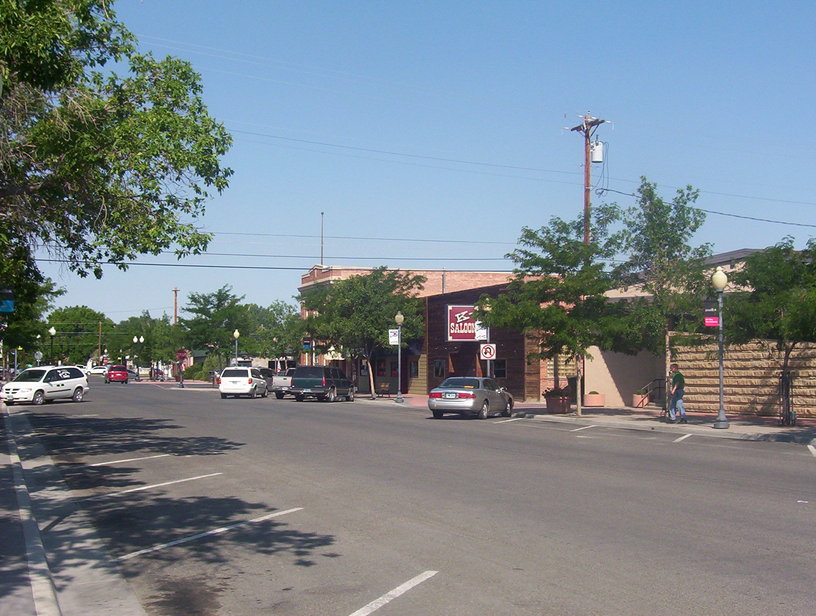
(466, 395)
(324, 380)
(219, 380)
(435, 394)
(250, 380)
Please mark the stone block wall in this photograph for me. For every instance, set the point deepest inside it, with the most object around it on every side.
(751, 378)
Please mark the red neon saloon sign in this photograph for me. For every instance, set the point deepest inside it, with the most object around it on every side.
(462, 326)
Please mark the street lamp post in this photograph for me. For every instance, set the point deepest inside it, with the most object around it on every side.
(399, 319)
(140, 342)
(52, 332)
(236, 334)
(719, 280)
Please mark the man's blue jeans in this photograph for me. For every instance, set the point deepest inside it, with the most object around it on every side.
(677, 405)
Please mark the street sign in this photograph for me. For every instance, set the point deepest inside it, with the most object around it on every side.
(38, 355)
(181, 355)
(393, 337)
(711, 316)
(487, 351)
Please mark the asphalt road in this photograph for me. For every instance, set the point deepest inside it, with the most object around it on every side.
(266, 506)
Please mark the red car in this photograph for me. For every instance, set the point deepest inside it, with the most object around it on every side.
(118, 374)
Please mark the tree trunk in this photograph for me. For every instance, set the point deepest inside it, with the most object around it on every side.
(371, 378)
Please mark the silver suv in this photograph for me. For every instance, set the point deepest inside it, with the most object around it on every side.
(36, 385)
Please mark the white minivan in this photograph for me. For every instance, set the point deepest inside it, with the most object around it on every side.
(240, 381)
(46, 383)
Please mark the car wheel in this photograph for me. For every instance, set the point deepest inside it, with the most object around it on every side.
(253, 393)
(508, 409)
(332, 395)
(279, 395)
(78, 395)
(265, 393)
(107, 382)
(350, 395)
(299, 398)
(223, 396)
(485, 410)
(438, 414)
(38, 398)
(124, 382)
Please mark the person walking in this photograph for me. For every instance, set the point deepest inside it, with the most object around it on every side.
(678, 387)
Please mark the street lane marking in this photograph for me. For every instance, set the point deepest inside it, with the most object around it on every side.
(150, 487)
(217, 531)
(584, 428)
(393, 594)
(509, 420)
(812, 449)
(681, 438)
(163, 455)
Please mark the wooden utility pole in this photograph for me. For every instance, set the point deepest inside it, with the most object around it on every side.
(175, 306)
(587, 128)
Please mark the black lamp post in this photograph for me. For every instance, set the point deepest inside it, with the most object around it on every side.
(719, 280)
(399, 319)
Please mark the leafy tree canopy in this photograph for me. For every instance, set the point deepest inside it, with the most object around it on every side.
(95, 166)
(558, 295)
(775, 297)
(660, 260)
(355, 314)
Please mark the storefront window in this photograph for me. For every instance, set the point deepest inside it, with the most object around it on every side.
(500, 368)
(439, 368)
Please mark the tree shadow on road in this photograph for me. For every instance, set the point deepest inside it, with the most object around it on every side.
(84, 527)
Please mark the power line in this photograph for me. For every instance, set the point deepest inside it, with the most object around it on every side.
(230, 267)
(776, 222)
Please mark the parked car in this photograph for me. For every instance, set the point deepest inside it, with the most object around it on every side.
(46, 383)
(103, 370)
(470, 396)
(117, 374)
(240, 381)
(282, 383)
(321, 382)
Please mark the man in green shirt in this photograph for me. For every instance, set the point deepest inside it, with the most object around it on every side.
(678, 386)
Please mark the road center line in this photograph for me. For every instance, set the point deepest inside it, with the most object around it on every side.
(217, 531)
(681, 438)
(584, 428)
(163, 455)
(393, 594)
(155, 485)
(812, 449)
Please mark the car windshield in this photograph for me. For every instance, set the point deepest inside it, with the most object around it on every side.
(234, 372)
(30, 376)
(460, 383)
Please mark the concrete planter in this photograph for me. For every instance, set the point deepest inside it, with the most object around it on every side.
(594, 400)
(558, 404)
(640, 400)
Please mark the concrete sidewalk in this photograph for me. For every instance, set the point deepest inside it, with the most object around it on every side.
(741, 426)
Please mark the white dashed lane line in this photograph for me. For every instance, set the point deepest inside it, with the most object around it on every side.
(584, 428)
(150, 487)
(681, 438)
(393, 594)
(216, 531)
(163, 455)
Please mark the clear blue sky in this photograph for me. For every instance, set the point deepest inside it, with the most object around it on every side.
(416, 121)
